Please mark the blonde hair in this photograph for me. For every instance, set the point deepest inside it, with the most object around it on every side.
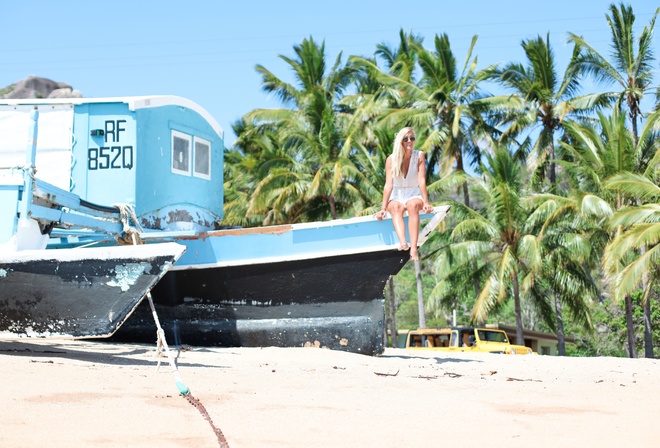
(397, 151)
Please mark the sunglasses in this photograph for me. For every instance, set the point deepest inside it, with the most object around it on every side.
(406, 139)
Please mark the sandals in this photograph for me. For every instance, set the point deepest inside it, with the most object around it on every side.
(404, 246)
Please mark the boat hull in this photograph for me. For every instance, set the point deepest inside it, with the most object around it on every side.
(334, 302)
(77, 292)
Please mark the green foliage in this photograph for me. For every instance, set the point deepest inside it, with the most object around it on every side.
(609, 335)
(7, 90)
(516, 248)
(405, 291)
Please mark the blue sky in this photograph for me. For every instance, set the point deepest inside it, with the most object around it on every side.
(207, 51)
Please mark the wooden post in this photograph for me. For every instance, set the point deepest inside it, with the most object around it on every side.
(393, 338)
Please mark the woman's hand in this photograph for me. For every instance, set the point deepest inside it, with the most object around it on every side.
(381, 215)
(427, 208)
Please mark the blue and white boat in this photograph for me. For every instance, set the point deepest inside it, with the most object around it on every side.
(150, 170)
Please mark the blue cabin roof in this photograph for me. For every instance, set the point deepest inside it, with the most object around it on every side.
(161, 154)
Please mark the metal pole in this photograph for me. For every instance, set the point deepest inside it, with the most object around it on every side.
(30, 169)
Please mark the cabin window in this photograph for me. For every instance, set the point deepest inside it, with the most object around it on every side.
(191, 155)
(202, 157)
(181, 152)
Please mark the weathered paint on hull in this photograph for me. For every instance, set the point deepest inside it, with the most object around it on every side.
(76, 292)
(334, 302)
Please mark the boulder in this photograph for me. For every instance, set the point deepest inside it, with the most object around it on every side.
(37, 87)
(66, 92)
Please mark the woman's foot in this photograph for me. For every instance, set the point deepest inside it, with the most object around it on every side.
(414, 255)
(404, 246)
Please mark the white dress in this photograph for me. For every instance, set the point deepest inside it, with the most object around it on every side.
(407, 188)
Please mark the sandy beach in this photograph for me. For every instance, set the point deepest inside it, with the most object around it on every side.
(81, 393)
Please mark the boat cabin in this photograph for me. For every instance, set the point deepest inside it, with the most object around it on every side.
(163, 155)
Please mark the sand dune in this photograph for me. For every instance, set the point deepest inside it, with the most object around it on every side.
(75, 393)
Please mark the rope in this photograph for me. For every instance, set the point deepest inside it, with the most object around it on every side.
(31, 169)
(126, 212)
(161, 346)
(222, 441)
(131, 234)
(183, 390)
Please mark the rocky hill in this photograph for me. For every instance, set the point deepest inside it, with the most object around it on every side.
(36, 87)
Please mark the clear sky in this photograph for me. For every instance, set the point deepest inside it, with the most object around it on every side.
(207, 51)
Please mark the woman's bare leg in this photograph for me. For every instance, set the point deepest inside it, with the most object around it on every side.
(396, 209)
(414, 206)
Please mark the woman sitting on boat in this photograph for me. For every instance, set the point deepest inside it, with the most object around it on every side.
(405, 189)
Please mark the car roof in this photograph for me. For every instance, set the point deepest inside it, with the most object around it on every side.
(426, 331)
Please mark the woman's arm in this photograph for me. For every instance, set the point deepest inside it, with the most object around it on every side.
(387, 190)
(421, 181)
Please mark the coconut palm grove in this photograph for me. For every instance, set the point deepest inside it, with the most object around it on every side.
(552, 173)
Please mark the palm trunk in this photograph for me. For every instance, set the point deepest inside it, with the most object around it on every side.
(520, 336)
(393, 333)
(420, 295)
(475, 279)
(633, 119)
(466, 195)
(561, 340)
(648, 330)
(459, 167)
(630, 348)
(553, 166)
(466, 201)
(333, 207)
(648, 327)
(630, 325)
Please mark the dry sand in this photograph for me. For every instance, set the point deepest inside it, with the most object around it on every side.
(74, 393)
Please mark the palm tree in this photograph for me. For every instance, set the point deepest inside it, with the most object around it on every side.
(445, 106)
(641, 227)
(402, 60)
(318, 178)
(371, 101)
(566, 253)
(372, 98)
(631, 70)
(596, 153)
(632, 257)
(541, 97)
(493, 240)
(544, 99)
(569, 235)
(254, 148)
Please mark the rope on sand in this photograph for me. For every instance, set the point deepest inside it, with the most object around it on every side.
(132, 235)
(185, 392)
(163, 347)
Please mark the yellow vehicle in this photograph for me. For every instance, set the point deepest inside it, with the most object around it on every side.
(464, 339)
